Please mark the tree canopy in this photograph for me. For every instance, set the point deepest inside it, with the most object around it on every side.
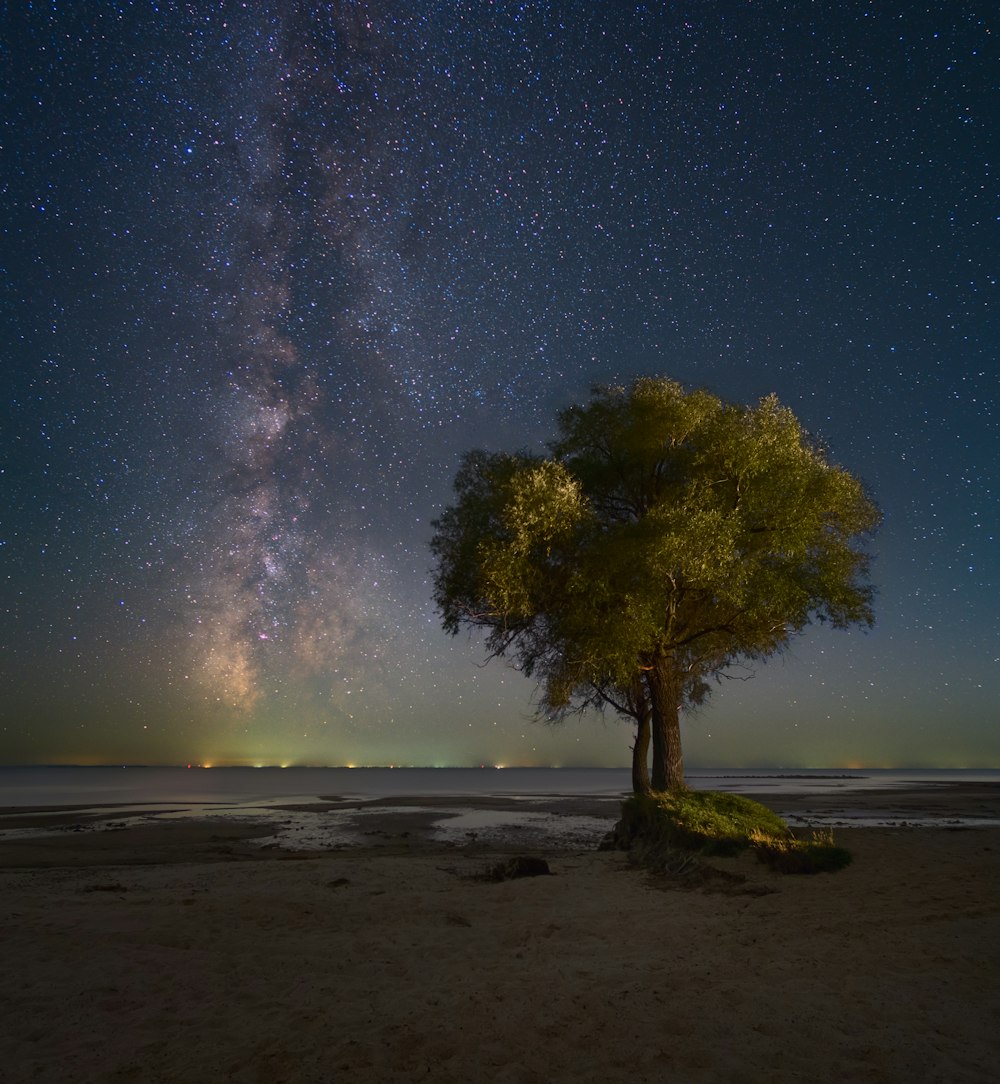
(667, 536)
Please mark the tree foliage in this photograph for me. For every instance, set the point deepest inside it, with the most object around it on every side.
(667, 536)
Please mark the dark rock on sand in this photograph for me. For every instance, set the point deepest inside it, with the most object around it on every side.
(521, 866)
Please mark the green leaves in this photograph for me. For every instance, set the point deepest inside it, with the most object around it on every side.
(664, 524)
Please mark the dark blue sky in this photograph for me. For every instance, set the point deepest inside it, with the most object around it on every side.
(270, 269)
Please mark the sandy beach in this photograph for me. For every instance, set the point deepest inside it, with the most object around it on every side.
(184, 951)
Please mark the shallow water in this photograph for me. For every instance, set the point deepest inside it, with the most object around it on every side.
(131, 785)
(111, 798)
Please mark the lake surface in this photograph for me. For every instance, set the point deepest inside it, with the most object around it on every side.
(132, 785)
(541, 806)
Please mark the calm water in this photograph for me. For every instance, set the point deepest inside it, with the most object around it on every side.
(90, 786)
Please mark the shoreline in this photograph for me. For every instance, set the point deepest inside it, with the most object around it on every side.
(333, 822)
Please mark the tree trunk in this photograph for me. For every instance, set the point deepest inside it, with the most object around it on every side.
(664, 700)
(640, 755)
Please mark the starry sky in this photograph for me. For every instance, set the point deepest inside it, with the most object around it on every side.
(270, 268)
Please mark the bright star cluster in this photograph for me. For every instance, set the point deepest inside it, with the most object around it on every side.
(271, 268)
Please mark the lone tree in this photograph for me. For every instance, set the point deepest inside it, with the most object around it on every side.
(668, 536)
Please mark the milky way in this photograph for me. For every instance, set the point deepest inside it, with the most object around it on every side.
(273, 267)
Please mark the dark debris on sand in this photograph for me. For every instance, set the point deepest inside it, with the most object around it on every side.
(519, 866)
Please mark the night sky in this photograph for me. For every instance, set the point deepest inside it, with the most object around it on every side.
(269, 269)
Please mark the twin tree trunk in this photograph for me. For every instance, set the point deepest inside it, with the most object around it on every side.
(640, 754)
(662, 724)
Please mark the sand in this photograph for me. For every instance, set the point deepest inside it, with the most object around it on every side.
(181, 951)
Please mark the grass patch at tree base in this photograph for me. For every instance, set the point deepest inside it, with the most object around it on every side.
(817, 855)
(653, 827)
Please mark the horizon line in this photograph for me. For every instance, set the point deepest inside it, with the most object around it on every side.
(212, 766)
